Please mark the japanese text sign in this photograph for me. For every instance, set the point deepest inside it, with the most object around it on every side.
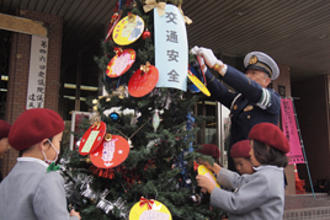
(37, 72)
(289, 127)
(171, 48)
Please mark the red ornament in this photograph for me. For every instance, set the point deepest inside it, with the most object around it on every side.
(146, 34)
(92, 138)
(143, 81)
(111, 153)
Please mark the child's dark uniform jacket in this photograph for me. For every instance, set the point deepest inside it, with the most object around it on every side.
(36, 193)
(258, 196)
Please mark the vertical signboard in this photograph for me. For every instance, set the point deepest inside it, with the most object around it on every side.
(289, 126)
(37, 72)
(171, 48)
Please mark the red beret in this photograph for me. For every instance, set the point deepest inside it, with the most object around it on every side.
(271, 135)
(34, 125)
(241, 149)
(210, 150)
(4, 129)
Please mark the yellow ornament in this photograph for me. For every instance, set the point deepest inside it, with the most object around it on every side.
(198, 83)
(149, 209)
(128, 30)
(203, 170)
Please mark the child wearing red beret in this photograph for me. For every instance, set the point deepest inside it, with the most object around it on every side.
(240, 152)
(30, 191)
(210, 150)
(259, 195)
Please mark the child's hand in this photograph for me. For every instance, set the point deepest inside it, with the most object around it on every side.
(75, 213)
(215, 168)
(205, 183)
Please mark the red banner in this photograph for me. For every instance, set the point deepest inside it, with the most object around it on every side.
(290, 130)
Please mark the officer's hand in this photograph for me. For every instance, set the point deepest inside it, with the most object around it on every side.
(209, 57)
(194, 50)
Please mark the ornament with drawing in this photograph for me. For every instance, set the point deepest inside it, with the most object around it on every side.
(121, 62)
(92, 138)
(111, 153)
(203, 170)
(143, 211)
(128, 30)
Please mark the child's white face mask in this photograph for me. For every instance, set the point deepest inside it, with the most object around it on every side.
(56, 151)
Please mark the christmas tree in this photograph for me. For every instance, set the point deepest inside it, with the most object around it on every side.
(157, 179)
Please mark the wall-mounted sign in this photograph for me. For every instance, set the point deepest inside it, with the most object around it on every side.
(37, 72)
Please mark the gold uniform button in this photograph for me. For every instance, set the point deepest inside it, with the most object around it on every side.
(235, 107)
(248, 108)
(248, 116)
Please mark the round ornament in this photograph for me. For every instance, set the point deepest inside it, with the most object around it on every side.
(149, 209)
(121, 62)
(203, 170)
(114, 116)
(143, 82)
(92, 138)
(146, 34)
(111, 153)
(198, 83)
(128, 30)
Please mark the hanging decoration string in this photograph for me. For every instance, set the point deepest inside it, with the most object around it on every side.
(135, 132)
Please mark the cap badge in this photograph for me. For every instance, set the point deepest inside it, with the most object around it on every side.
(253, 59)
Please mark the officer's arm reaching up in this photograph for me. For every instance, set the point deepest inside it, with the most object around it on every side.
(211, 60)
(253, 84)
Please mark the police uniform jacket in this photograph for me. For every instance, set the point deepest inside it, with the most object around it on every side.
(258, 196)
(249, 104)
(29, 192)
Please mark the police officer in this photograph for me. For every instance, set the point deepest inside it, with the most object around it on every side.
(251, 102)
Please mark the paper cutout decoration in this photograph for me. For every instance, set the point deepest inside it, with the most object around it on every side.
(121, 62)
(149, 209)
(203, 170)
(143, 82)
(128, 30)
(111, 153)
(92, 138)
(198, 83)
(114, 20)
(191, 86)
